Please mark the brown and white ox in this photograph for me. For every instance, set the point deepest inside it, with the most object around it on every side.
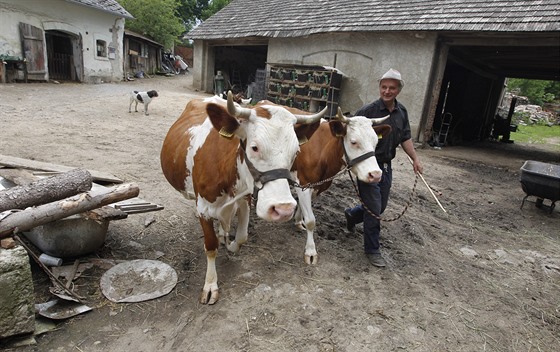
(341, 142)
(219, 153)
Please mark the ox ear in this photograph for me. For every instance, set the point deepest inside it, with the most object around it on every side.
(305, 131)
(382, 130)
(221, 120)
(338, 129)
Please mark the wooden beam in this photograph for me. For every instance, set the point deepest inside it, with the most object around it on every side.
(15, 162)
(497, 40)
(472, 67)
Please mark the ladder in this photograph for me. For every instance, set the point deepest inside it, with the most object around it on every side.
(444, 127)
(441, 137)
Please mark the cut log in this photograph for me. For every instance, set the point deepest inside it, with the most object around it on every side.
(31, 217)
(46, 190)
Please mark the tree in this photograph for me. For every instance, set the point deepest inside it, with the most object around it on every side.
(538, 92)
(213, 7)
(156, 19)
(193, 12)
(190, 11)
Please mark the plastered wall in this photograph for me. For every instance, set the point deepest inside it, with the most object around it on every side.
(84, 24)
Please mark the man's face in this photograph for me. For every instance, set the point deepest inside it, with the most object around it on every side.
(389, 89)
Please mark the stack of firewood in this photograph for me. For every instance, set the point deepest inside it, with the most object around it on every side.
(53, 198)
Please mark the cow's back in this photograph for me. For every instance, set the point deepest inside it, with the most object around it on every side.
(174, 150)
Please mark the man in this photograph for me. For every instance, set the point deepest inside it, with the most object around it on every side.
(376, 195)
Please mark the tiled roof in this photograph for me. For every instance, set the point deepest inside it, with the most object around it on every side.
(111, 6)
(295, 18)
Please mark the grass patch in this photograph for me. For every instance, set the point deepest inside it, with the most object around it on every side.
(537, 134)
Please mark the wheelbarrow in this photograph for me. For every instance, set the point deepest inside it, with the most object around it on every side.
(540, 180)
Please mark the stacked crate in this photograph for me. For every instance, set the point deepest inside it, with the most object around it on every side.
(259, 89)
(308, 88)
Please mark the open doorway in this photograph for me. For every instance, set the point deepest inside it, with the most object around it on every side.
(465, 109)
(63, 56)
(471, 81)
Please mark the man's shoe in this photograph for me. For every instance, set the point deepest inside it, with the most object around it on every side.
(376, 259)
(350, 224)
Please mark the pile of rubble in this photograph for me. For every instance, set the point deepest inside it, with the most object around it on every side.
(534, 114)
(527, 114)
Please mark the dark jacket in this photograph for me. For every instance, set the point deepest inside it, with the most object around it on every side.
(400, 128)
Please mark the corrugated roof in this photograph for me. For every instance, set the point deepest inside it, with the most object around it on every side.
(111, 6)
(296, 18)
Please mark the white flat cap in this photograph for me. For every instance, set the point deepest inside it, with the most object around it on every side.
(392, 74)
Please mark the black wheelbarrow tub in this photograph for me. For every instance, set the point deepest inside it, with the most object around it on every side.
(541, 180)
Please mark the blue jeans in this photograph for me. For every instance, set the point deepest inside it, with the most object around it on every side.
(375, 197)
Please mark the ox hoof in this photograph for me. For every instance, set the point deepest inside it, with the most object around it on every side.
(311, 259)
(208, 297)
(233, 247)
(300, 226)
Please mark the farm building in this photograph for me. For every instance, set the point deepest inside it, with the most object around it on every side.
(141, 54)
(454, 55)
(73, 40)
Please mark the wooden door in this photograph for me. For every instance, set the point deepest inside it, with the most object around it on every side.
(33, 47)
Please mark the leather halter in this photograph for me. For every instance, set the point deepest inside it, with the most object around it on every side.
(266, 176)
(352, 162)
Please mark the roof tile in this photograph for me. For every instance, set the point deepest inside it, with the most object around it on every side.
(111, 6)
(294, 18)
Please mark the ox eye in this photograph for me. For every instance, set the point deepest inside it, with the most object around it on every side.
(255, 148)
(353, 142)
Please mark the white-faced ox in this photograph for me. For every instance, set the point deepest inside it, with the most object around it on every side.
(219, 153)
(340, 143)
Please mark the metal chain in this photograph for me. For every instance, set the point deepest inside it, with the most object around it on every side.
(318, 183)
(377, 216)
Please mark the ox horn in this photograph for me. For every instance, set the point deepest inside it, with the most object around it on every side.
(340, 117)
(309, 119)
(235, 110)
(379, 120)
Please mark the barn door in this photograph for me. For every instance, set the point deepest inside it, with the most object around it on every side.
(33, 47)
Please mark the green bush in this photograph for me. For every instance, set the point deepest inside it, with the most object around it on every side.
(538, 91)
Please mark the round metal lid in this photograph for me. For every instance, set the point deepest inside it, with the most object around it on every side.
(138, 280)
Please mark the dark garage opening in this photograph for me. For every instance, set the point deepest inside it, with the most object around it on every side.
(239, 65)
(473, 85)
(461, 112)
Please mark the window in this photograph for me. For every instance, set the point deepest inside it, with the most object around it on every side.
(101, 48)
(144, 52)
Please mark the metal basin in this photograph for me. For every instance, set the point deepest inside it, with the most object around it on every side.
(72, 236)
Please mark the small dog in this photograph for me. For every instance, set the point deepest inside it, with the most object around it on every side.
(141, 97)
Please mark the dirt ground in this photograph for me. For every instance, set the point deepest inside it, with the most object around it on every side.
(485, 276)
